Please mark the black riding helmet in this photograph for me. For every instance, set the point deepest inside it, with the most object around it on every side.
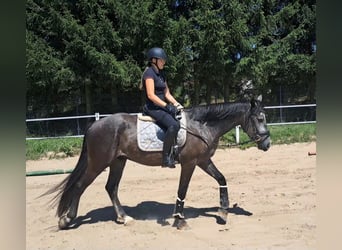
(156, 52)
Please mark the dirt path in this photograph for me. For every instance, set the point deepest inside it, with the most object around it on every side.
(274, 194)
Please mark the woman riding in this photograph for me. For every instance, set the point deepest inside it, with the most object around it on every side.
(160, 104)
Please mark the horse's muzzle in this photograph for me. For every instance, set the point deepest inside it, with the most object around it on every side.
(264, 141)
(265, 145)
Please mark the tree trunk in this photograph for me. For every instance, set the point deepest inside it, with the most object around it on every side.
(311, 89)
(208, 93)
(197, 93)
(88, 98)
(114, 95)
(226, 92)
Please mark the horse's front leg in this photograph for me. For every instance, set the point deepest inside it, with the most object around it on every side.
(211, 169)
(186, 174)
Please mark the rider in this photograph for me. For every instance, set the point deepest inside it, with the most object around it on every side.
(160, 104)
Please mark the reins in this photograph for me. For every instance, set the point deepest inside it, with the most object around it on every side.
(260, 137)
(194, 134)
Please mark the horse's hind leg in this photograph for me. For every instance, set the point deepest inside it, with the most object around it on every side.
(112, 187)
(76, 191)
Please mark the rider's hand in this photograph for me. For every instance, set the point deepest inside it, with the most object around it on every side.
(171, 109)
(179, 106)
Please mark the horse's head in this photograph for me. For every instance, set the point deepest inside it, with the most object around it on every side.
(255, 125)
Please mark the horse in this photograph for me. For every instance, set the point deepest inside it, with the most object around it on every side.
(112, 140)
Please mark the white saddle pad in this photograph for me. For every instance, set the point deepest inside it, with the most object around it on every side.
(150, 136)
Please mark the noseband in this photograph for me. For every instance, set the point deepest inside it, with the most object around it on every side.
(260, 137)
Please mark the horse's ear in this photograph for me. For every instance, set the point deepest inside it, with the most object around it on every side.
(259, 98)
(254, 102)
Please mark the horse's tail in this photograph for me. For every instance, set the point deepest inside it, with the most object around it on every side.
(66, 187)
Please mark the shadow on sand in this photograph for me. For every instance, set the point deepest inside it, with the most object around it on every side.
(152, 210)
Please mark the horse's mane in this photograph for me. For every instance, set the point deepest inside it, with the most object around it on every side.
(214, 112)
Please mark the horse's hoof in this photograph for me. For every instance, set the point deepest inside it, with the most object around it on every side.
(64, 222)
(222, 213)
(128, 220)
(181, 224)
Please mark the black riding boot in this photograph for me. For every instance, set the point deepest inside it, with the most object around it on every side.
(169, 139)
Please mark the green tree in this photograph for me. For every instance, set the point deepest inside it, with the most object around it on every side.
(94, 51)
(282, 55)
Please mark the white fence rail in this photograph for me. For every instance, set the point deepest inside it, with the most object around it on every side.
(97, 116)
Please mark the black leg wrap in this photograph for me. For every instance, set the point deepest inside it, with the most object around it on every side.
(178, 211)
(224, 202)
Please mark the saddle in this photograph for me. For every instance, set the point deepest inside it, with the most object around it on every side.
(151, 137)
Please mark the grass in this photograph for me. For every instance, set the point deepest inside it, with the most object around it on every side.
(36, 149)
(285, 134)
(293, 133)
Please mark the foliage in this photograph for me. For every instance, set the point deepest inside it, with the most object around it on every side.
(88, 56)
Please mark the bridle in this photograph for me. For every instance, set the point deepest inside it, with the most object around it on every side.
(259, 137)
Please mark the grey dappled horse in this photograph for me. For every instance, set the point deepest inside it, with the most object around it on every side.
(111, 141)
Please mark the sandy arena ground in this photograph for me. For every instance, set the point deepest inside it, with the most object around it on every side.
(272, 198)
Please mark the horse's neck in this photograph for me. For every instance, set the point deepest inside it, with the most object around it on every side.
(212, 131)
(221, 127)
(235, 118)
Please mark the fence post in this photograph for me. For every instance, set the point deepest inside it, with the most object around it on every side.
(97, 116)
(237, 134)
